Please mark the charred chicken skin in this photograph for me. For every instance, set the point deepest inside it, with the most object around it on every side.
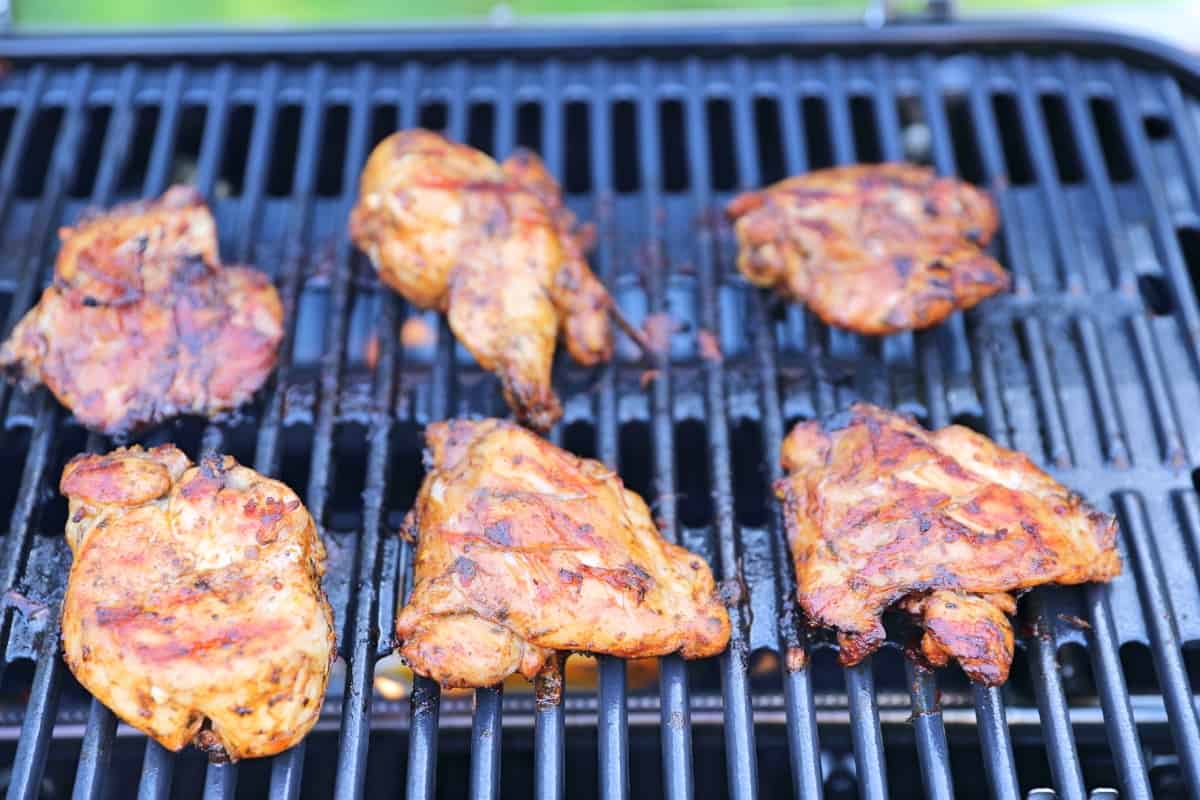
(871, 248)
(493, 247)
(142, 322)
(947, 525)
(524, 550)
(194, 607)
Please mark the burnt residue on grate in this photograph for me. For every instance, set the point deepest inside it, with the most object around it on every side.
(1091, 365)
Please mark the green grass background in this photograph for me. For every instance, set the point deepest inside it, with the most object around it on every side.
(126, 13)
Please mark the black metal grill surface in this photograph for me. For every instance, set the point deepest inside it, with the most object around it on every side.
(1091, 365)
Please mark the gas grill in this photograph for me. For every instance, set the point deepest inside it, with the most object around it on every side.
(1091, 146)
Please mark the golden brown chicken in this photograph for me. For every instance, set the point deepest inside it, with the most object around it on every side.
(493, 247)
(524, 549)
(141, 321)
(946, 524)
(871, 248)
(194, 607)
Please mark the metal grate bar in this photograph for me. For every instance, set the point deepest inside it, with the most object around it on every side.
(803, 746)
(928, 724)
(1146, 169)
(95, 752)
(158, 171)
(549, 729)
(860, 684)
(360, 655)
(96, 748)
(486, 731)
(739, 734)
(38, 723)
(1168, 656)
(675, 705)
(220, 781)
(158, 766)
(612, 720)
(933, 752)
(1052, 705)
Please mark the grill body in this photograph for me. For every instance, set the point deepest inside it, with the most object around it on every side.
(1091, 146)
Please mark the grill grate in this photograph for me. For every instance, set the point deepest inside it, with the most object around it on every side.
(1090, 365)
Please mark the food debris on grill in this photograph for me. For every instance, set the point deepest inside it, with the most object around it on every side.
(492, 246)
(946, 525)
(142, 322)
(525, 549)
(194, 607)
(875, 249)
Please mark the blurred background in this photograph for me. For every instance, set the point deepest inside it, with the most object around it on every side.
(136, 13)
(1177, 21)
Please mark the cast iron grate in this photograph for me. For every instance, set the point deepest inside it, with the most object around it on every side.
(1092, 366)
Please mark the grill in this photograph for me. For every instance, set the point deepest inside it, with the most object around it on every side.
(1091, 145)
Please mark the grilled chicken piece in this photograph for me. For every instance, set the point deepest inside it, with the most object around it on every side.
(141, 321)
(194, 607)
(945, 524)
(493, 247)
(871, 248)
(525, 549)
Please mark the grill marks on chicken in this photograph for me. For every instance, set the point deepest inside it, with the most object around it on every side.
(525, 549)
(871, 248)
(493, 247)
(946, 524)
(194, 607)
(142, 322)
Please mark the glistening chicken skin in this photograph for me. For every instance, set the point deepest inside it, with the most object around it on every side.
(946, 525)
(493, 247)
(142, 322)
(524, 549)
(872, 248)
(194, 607)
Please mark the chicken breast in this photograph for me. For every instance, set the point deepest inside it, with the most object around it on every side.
(493, 247)
(880, 511)
(142, 322)
(874, 248)
(524, 550)
(194, 607)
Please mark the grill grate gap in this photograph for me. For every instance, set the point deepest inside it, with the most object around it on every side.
(529, 126)
(1013, 140)
(636, 458)
(335, 131)
(433, 116)
(750, 501)
(237, 148)
(1189, 244)
(134, 173)
(344, 511)
(481, 128)
(283, 151)
(1157, 127)
(866, 130)
(577, 144)
(580, 439)
(815, 113)
(692, 483)
(627, 171)
(7, 115)
(673, 145)
(769, 138)
(966, 144)
(383, 124)
(1066, 155)
(722, 162)
(1137, 664)
(37, 155)
(89, 156)
(1108, 127)
(1156, 294)
(407, 449)
(188, 138)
